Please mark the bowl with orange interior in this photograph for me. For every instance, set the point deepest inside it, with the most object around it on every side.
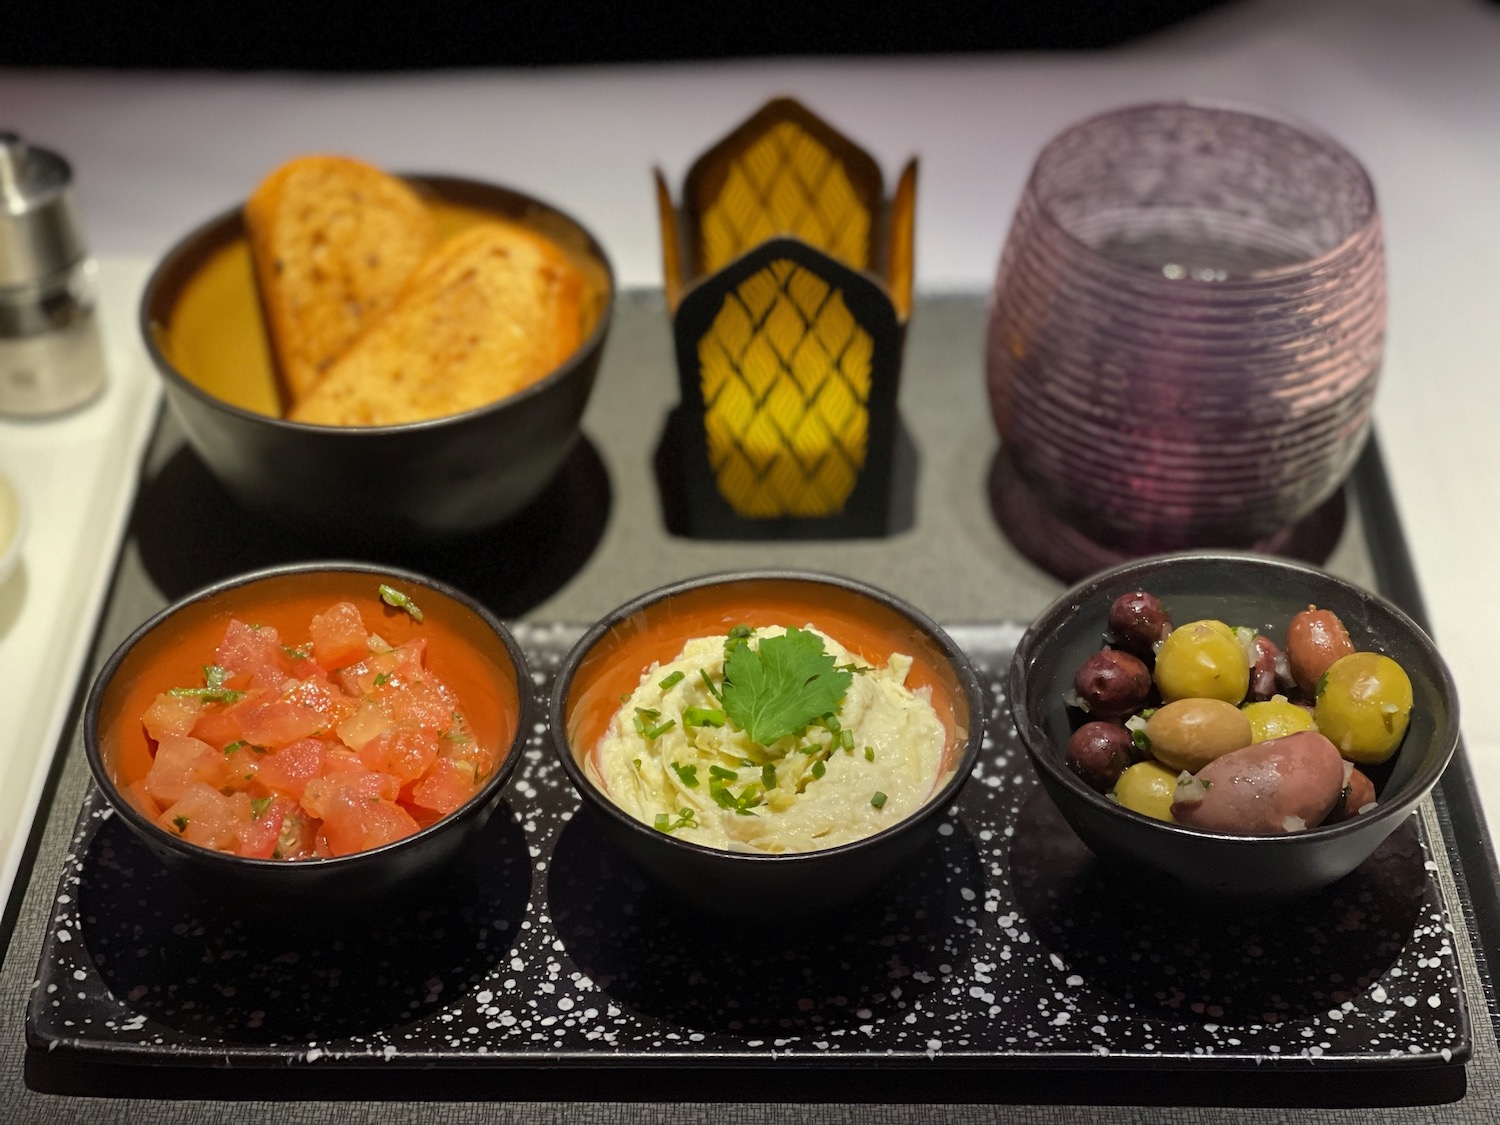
(388, 357)
(319, 732)
(768, 744)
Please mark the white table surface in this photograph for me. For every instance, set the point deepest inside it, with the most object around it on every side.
(1411, 86)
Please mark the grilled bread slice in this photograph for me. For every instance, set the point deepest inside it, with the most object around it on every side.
(492, 311)
(333, 240)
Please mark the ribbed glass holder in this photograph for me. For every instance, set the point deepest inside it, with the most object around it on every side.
(1187, 325)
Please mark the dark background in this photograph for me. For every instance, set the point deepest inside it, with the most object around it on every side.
(383, 35)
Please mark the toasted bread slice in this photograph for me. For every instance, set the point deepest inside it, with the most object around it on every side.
(333, 240)
(492, 311)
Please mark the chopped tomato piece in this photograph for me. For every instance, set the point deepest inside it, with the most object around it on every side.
(171, 714)
(355, 818)
(426, 706)
(204, 816)
(368, 722)
(219, 726)
(260, 834)
(339, 637)
(403, 753)
(139, 796)
(289, 769)
(181, 763)
(386, 673)
(448, 785)
(309, 707)
(247, 649)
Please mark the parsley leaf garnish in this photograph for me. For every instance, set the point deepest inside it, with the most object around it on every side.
(395, 598)
(213, 691)
(779, 688)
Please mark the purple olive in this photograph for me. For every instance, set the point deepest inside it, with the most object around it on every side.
(1112, 684)
(1139, 622)
(1099, 753)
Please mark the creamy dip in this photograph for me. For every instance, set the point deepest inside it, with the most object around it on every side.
(663, 762)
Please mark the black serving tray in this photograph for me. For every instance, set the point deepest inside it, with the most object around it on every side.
(1005, 944)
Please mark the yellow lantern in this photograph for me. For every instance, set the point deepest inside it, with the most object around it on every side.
(788, 277)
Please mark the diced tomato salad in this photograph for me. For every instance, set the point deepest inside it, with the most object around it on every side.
(298, 748)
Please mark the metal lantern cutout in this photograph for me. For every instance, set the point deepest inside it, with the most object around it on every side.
(788, 278)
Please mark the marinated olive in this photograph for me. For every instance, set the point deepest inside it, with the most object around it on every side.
(1112, 684)
(1190, 733)
(1267, 670)
(1147, 787)
(1100, 752)
(1203, 660)
(1139, 622)
(1358, 794)
(1364, 704)
(1275, 787)
(1315, 638)
(1276, 717)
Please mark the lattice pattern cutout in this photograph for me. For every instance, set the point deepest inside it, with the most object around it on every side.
(786, 183)
(785, 372)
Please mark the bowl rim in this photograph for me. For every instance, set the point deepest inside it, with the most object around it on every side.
(14, 547)
(1046, 758)
(222, 228)
(509, 759)
(597, 799)
(1371, 221)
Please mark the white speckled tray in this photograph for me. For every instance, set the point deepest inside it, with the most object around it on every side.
(1003, 945)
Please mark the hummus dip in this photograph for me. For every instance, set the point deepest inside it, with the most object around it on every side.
(664, 761)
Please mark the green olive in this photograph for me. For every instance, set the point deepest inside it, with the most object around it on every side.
(1203, 660)
(1148, 788)
(1275, 718)
(1364, 704)
(1189, 733)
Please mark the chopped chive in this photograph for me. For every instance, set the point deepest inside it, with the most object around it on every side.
(259, 806)
(722, 797)
(702, 717)
(878, 800)
(738, 635)
(660, 823)
(722, 774)
(869, 753)
(233, 746)
(181, 822)
(301, 652)
(653, 733)
(382, 678)
(768, 776)
(396, 599)
(671, 681)
(1142, 741)
(637, 762)
(846, 739)
(831, 722)
(818, 768)
(688, 774)
(709, 684)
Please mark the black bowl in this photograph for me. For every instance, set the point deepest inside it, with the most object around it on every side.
(1240, 589)
(611, 658)
(443, 477)
(116, 696)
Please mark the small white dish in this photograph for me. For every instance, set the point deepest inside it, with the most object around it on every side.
(12, 527)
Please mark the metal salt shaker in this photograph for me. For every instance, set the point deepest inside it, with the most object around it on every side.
(51, 359)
